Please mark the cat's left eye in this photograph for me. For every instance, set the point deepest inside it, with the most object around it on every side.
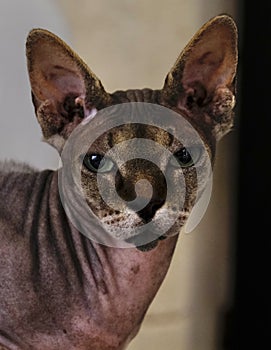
(187, 157)
(97, 163)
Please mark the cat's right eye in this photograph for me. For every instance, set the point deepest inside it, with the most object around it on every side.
(97, 163)
(187, 157)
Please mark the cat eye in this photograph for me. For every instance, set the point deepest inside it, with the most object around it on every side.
(187, 157)
(97, 163)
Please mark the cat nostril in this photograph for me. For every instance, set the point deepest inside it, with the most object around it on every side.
(150, 210)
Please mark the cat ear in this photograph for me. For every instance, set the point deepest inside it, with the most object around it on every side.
(202, 81)
(64, 90)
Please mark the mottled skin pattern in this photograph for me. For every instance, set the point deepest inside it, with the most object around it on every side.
(58, 289)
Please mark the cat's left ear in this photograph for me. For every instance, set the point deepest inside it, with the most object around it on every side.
(64, 89)
(202, 81)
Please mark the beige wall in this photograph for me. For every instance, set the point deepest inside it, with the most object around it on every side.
(20, 133)
(133, 44)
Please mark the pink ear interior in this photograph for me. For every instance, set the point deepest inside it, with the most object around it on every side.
(53, 69)
(64, 80)
(211, 59)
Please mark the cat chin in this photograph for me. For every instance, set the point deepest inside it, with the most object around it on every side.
(147, 247)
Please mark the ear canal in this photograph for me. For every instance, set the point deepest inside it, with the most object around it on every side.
(64, 89)
(203, 77)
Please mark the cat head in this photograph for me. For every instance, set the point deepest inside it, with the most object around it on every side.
(200, 89)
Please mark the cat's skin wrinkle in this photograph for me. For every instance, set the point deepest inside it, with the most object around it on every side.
(146, 95)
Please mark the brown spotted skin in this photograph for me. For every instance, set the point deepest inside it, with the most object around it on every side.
(58, 289)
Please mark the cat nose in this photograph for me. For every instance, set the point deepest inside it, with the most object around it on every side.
(148, 212)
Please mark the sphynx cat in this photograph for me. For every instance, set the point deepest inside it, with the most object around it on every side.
(58, 288)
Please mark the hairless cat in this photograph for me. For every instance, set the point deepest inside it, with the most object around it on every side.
(59, 289)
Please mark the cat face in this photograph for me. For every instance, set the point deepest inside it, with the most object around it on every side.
(152, 185)
(137, 190)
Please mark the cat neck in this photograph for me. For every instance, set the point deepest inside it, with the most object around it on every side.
(77, 276)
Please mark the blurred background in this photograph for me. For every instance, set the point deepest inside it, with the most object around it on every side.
(133, 44)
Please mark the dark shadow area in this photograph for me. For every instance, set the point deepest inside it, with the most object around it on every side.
(248, 325)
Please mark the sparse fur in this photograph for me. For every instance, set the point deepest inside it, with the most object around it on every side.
(10, 166)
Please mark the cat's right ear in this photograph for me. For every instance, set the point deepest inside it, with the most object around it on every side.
(201, 84)
(64, 90)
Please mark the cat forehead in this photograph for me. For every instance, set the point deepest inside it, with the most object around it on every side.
(126, 132)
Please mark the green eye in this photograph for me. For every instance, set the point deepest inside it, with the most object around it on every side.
(187, 157)
(97, 163)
